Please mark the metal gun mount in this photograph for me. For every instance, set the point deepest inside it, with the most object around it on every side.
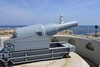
(32, 43)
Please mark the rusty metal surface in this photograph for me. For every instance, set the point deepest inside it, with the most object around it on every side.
(74, 61)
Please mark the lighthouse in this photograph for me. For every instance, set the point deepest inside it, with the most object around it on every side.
(61, 20)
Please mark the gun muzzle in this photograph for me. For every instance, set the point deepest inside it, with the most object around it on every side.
(54, 28)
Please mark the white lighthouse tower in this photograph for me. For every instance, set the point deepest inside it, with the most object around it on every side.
(61, 20)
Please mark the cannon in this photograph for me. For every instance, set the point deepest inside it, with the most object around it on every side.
(32, 43)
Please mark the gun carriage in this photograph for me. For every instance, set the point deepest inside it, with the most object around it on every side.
(32, 43)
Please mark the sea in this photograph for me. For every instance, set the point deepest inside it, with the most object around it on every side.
(76, 30)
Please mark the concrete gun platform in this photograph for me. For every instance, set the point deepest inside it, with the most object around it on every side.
(74, 61)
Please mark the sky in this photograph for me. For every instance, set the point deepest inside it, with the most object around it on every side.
(28, 12)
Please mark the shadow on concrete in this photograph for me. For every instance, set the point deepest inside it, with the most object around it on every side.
(2, 64)
(11, 65)
(92, 64)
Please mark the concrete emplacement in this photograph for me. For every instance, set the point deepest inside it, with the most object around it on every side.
(87, 48)
(75, 59)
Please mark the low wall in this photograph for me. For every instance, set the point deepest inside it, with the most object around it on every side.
(88, 48)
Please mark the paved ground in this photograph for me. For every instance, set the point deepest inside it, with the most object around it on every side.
(89, 62)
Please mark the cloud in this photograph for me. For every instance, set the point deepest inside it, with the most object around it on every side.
(39, 11)
(85, 4)
(91, 2)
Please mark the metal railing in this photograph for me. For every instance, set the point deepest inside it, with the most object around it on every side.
(88, 32)
(84, 30)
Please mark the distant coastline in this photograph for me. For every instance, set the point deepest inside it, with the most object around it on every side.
(13, 26)
(81, 29)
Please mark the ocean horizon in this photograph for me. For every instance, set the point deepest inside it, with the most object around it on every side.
(81, 29)
(9, 26)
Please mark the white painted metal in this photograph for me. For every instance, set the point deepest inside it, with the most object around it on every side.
(27, 43)
(61, 20)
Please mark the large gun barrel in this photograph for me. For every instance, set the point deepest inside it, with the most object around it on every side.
(52, 29)
(40, 29)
